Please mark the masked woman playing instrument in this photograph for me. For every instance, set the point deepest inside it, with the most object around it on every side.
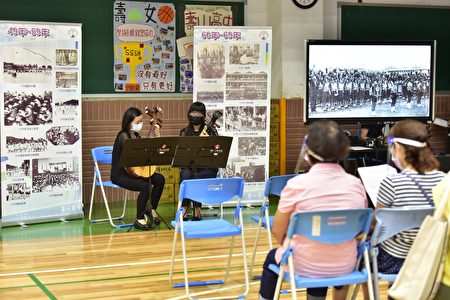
(132, 123)
(196, 127)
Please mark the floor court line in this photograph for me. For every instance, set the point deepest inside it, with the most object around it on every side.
(121, 278)
(42, 287)
(121, 265)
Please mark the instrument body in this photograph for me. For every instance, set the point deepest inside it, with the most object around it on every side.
(143, 172)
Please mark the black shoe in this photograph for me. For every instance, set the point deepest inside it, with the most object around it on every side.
(148, 212)
(139, 226)
(196, 218)
(151, 220)
(156, 221)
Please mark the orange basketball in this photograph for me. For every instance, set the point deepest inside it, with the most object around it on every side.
(166, 14)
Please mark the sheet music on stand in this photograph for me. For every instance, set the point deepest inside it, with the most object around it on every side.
(371, 178)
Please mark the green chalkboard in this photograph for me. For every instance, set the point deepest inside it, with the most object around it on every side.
(376, 22)
(96, 17)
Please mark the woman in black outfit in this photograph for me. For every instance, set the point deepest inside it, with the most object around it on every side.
(196, 127)
(131, 127)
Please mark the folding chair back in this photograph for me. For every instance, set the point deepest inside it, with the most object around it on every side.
(391, 221)
(103, 155)
(274, 186)
(333, 226)
(209, 191)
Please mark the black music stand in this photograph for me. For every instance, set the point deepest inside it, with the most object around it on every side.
(202, 152)
(148, 152)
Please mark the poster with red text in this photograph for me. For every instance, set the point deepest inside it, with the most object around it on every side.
(232, 71)
(144, 46)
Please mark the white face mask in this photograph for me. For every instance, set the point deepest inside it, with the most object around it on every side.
(137, 127)
(397, 163)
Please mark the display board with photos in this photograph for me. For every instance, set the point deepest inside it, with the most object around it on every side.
(232, 71)
(40, 90)
(199, 15)
(98, 40)
(145, 59)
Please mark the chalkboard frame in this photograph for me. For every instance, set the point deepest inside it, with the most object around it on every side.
(361, 21)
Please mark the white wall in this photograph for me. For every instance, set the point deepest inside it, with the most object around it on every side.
(291, 26)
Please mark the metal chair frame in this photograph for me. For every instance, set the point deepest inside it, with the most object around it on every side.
(209, 191)
(103, 155)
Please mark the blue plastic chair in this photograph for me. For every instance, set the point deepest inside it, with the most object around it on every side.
(274, 186)
(329, 227)
(211, 191)
(103, 155)
(391, 221)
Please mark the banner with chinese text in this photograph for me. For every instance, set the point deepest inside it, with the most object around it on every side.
(232, 71)
(40, 89)
(198, 15)
(144, 46)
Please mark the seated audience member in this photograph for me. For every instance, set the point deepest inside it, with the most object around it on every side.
(438, 192)
(326, 146)
(411, 154)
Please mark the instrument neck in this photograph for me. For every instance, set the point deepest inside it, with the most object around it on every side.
(154, 131)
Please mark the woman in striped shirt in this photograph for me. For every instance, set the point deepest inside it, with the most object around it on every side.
(411, 153)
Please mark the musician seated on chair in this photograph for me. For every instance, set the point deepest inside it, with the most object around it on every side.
(196, 127)
(131, 127)
(326, 146)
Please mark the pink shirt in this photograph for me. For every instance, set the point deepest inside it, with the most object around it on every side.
(325, 187)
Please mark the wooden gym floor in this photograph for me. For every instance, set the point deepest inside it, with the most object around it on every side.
(53, 262)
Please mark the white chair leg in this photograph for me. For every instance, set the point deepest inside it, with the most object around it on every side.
(230, 254)
(369, 275)
(107, 207)
(124, 206)
(269, 233)
(376, 284)
(172, 262)
(183, 249)
(110, 218)
(292, 277)
(352, 292)
(244, 254)
(279, 283)
(255, 245)
(92, 197)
